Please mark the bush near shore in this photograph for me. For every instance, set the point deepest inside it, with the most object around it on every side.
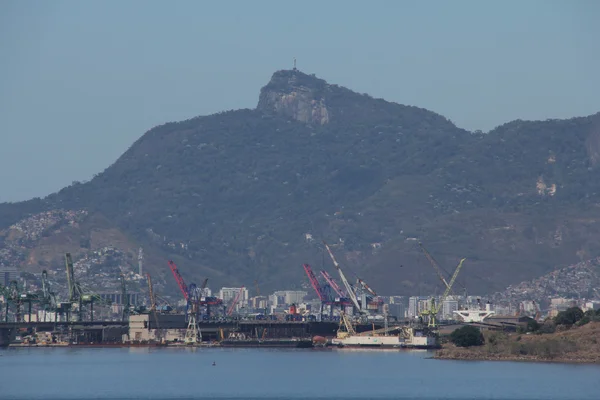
(572, 336)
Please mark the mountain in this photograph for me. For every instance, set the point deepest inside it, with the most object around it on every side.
(248, 195)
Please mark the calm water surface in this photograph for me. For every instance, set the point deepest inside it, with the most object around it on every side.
(280, 374)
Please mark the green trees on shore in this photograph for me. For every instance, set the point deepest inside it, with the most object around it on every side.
(467, 336)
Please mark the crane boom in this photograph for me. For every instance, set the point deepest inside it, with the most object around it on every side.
(237, 298)
(452, 280)
(179, 279)
(434, 264)
(366, 287)
(434, 309)
(314, 282)
(74, 289)
(153, 306)
(344, 280)
(151, 293)
(333, 284)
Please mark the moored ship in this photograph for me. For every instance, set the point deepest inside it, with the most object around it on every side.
(407, 338)
(240, 340)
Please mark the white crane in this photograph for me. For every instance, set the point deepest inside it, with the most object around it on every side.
(347, 285)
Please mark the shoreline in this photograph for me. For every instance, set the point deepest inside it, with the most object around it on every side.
(509, 358)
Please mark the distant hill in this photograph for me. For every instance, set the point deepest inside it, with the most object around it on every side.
(248, 195)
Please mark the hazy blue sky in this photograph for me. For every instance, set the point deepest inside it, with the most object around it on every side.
(80, 81)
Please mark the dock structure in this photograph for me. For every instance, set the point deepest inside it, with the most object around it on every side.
(169, 328)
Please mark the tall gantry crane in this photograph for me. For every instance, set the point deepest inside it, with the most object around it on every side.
(434, 308)
(185, 290)
(192, 333)
(324, 293)
(192, 297)
(207, 302)
(48, 298)
(12, 296)
(345, 282)
(76, 294)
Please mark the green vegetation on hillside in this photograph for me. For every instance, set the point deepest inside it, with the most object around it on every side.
(232, 195)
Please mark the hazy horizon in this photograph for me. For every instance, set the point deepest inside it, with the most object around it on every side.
(81, 81)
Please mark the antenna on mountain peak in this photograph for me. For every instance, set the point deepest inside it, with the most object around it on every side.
(295, 64)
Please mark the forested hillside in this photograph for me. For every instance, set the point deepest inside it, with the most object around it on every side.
(249, 194)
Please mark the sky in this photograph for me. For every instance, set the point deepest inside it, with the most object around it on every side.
(80, 81)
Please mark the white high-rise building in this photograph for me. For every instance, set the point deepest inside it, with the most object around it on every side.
(288, 297)
(416, 304)
(448, 308)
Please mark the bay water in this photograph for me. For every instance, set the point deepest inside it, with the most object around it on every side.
(189, 373)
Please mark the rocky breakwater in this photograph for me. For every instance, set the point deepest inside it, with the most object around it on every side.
(575, 345)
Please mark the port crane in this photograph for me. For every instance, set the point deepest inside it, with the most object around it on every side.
(434, 308)
(345, 323)
(207, 301)
(235, 301)
(315, 284)
(48, 298)
(324, 292)
(12, 296)
(438, 269)
(186, 291)
(76, 293)
(192, 333)
(340, 292)
(345, 282)
(192, 298)
(434, 264)
(153, 311)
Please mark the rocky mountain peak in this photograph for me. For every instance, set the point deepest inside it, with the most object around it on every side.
(297, 95)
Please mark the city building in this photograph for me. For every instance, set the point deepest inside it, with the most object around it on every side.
(117, 298)
(416, 304)
(397, 310)
(228, 295)
(8, 273)
(591, 305)
(287, 297)
(259, 302)
(448, 308)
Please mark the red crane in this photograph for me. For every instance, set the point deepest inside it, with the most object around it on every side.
(314, 282)
(180, 282)
(237, 298)
(333, 284)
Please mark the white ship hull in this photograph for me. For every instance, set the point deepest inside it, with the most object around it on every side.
(417, 342)
(368, 341)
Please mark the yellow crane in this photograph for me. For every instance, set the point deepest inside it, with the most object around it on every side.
(347, 324)
(434, 308)
(153, 307)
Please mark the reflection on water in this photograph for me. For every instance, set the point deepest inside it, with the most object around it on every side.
(178, 373)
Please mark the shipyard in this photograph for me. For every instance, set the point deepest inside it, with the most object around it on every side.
(336, 315)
